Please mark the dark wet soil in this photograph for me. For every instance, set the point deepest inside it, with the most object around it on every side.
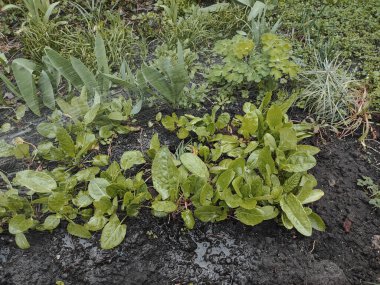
(158, 251)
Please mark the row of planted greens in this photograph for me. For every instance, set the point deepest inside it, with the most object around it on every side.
(251, 168)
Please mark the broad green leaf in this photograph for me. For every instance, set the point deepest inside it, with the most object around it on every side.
(116, 116)
(250, 217)
(65, 142)
(306, 195)
(65, 68)
(104, 205)
(270, 212)
(154, 146)
(131, 158)
(20, 112)
(288, 139)
(270, 141)
(312, 150)
(82, 200)
(97, 188)
(182, 133)
(47, 90)
(87, 174)
(57, 201)
(113, 233)
(38, 182)
(22, 150)
(165, 174)
(101, 55)
(21, 241)
(158, 81)
(23, 72)
(169, 123)
(6, 150)
(78, 230)
(225, 179)
(316, 222)
(265, 159)
(296, 214)
(206, 195)
(249, 125)
(84, 142)
(188, 219)
(248, 203)
(286, 222)
(48, 130)
(164, 206)
(10, 7)
(292, 182)
(274, 117)
(90, 116)
(87, 77)
(102, 63)
(19, 224)
(51, 222)
(195, 165)
(210, 213)
(101, 160)
(299, 162)
(96, 223)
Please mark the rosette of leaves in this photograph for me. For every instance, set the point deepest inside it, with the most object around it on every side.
(259, 173)
(246, 64)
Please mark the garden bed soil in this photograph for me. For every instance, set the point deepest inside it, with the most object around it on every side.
(159, 251)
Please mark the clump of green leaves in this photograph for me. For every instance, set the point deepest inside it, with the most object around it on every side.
(373, 189)
(171, 78)
(251, 167)
(246, 64)
(89, 196)
(106, 119)
(258, 172)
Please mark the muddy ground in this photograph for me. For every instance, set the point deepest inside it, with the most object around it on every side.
(157, 251)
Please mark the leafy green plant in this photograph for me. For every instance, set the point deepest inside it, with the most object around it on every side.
(107, 118)
(245, 64)
(258, 173)
(251, 167)
(134, 84)
(79, 75)
(171, 78)
(373, 189)
(60, 196)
